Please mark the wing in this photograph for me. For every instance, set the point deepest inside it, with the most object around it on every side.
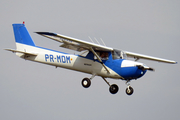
(140, 56)
(80, 45)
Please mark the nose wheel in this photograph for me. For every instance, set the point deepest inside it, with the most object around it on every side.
(129, 90)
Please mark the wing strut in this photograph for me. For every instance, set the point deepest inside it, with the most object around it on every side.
(99, 59)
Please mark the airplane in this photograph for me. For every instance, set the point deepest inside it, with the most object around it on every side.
(95, 59)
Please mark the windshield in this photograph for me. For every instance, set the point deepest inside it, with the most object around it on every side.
(117, 54)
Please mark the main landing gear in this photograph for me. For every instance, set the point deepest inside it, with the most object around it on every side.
(86, 82)
(113, 89)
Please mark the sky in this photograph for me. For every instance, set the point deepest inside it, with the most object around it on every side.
(34, 91)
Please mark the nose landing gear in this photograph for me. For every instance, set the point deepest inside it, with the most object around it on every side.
(129, 90)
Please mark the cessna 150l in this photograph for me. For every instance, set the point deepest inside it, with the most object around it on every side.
(99, 60)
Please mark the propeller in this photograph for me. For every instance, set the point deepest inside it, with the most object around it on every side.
(144, 67)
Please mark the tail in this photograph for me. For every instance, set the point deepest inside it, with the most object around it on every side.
(22, 36)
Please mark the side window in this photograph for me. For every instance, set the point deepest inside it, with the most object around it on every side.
(98, 53)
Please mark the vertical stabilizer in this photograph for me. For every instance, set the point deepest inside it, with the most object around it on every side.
(22, 35)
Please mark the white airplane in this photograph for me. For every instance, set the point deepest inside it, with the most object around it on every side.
(97, 60)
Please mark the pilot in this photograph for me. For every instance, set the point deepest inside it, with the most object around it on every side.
(104, 55)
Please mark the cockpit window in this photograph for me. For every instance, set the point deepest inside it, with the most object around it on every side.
(117, 54)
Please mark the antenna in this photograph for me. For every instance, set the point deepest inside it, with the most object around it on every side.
(97, 41)
(102, 41)
(91, 39)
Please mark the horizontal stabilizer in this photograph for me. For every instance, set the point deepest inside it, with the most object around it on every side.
(17, 51)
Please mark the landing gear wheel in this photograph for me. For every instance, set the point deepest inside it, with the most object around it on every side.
(113, 89)
(86, 82)
(129, 90)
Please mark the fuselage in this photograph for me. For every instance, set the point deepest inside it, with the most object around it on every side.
(119, 68)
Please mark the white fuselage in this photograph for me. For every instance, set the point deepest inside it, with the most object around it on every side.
(64, 60)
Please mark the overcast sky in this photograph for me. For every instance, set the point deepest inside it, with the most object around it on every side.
(33, 91)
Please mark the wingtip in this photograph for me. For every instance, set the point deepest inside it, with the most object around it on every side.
(40, 33)
(174, 62)
(46, 33)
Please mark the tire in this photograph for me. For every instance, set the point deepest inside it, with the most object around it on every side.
(113, 89)
(129, 91)
(86, 82)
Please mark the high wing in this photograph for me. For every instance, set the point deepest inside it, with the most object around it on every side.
(80, 45)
